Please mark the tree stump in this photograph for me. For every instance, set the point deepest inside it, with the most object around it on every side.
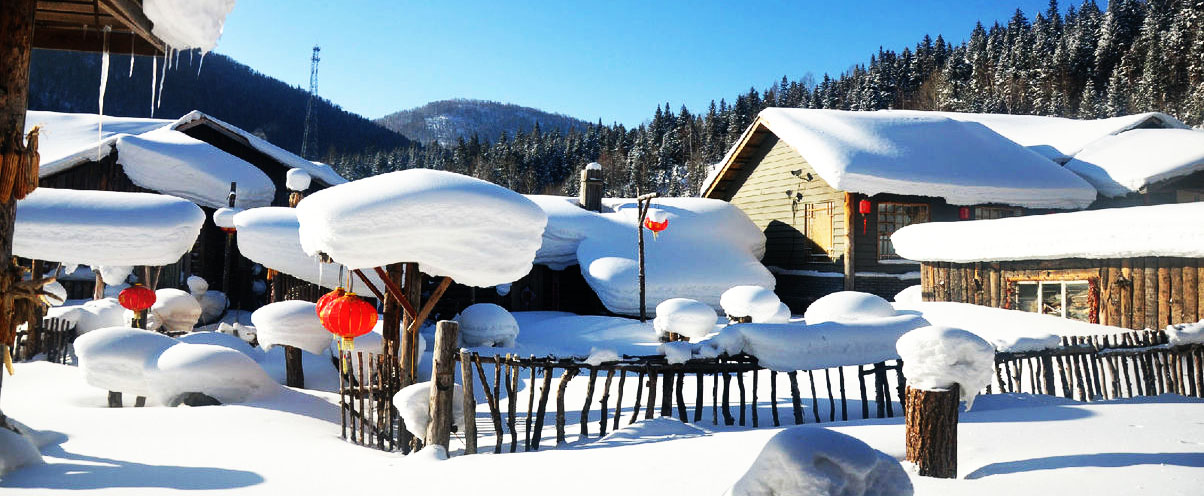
(932, 431)
(443, 382)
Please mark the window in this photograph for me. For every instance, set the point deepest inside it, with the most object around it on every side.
(819, 229)
(895, 216)
(981, 213)
(1068, 299)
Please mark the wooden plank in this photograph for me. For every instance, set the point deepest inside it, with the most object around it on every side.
(1151, 292)
(996, 289)
(1138, 319)
(1200, 293)
(1176, 272)
(1126, 294)
(1115, 292)
(850, 272)
(957, 283)
(1190, 291)
(1164, 293)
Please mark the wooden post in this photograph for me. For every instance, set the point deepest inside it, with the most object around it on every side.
(543, 407)
(560, 388)
(391, 326)
(642, 204)
(850, 237)
(602, 403)
(931, 423)
(98, 287)
(589, 399)
(443, 379)
(470, 404)
(294, 373)
(229, 255)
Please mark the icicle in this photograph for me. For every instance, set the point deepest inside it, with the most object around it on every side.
(104, 83)
(132, 41)
(163, 78)
(154, 74)
(201, 64)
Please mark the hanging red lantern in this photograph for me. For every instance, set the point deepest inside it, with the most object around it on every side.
(348, 317)
(656, 221)
(329, 297)
(136, 298)
(864, 207)
(963, 213)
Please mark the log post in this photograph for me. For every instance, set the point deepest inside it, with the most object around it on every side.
(98, 287)
(443, 377)
(931, 423)
(294, 374)
(470, 404)
(391, 326)
(228, 257)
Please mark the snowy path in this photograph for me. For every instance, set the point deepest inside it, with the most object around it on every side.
(1009, 445)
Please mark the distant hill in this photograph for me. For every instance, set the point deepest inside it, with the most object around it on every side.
(70, 82)
(446, 120)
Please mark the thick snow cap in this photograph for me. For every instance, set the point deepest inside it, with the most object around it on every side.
(807, 346)
(925, 154)
(690, 318)
(177, 310)
(215, 371)
(477, 233)
(848, 306)
(935, 358)
(413, 403)
(105, 227)
(1171, 230)
(750, 301)
(185, 24)
(297, 180)
(174, 163)
(269, 236)
(807, 461)
(486, 324)
(1128, 162)
(293, 323)
(120, 358)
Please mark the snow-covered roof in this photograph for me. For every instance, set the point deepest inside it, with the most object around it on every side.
(68, 140)
(1128, 162)
(709, 247)
(174, 163)
(924, 154)
(1171, 230)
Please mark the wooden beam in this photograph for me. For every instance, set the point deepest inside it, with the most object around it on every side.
(396, 292)
(81, 39)
(130, 13)
(429, 305)
(372, 287)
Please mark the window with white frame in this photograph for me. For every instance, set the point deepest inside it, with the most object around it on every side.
(1067, 299)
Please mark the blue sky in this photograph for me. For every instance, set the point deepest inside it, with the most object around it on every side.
(608, 60)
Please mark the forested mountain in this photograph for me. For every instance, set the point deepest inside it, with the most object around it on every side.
(445, 121)
(1138, 55)
(70, 82)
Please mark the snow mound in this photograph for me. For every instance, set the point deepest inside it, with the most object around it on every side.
(224, 217)
(1021, 344)
(807, 461)
(213, 305)
(91, 315)
(293, 323)
(848, 306)
(690, 318)
(297, 180)
(215, 371)
(1008, 330)
(599, 356)
(117, 358)
(782, 316)
(197, 285)
(750, 301)
(413, 403)
(320, 370)
(807, 346)
(174, 163)
(650, 430)
(910, 294)
(676, 352)
(935, 358)
(17, 450)
(224, 340)
(478, 233)
(429, 453)
(177, 310)
(186, 24)
(1180, 334)
(486, 324)
(105, 227)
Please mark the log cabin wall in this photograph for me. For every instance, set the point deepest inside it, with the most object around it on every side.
(1135, 293)
(1185, 189)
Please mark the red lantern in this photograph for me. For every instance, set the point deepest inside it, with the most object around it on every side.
(864, 207)
(348, 317)
(136, 298)
(963, 213)
(656, 221)
(329, 297)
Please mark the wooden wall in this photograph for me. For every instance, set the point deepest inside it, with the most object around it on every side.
(1135, 293)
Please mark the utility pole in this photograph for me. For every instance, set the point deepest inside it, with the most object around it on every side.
(309, 107)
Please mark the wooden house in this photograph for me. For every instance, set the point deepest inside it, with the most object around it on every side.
(1135, 267)
(829, 188)
(195, 157)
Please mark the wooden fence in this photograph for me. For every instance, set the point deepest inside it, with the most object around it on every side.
(53, 337)
(735, 395)
(1092, 368)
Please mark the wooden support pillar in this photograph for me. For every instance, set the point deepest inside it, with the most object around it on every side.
(850, 237)
(931, 423)
(228, 261)
(443, 381)
(470, 404)
(294, 374)
(391, 326)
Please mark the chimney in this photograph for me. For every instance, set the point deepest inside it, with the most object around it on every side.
(591, 187)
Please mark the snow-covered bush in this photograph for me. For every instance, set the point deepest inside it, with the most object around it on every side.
(118, 358)
(293, 323)
(848, 306)
(755, 302)
(935, 358)
(176, 310)
(690, 318)
(215, 371)
(413, 403)
(486, 324)
(807, 461)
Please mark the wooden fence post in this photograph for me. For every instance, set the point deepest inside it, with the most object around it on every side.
(470, 404)
(931, 422)
(443, 377)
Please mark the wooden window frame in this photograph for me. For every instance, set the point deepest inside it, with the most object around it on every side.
(878, 225)
(1061, 282)
(1016, 212)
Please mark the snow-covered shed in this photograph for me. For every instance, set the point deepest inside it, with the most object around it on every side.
(195, 157)
(1133, 267)
(829, 187)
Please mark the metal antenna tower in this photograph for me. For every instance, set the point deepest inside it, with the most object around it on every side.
(309, 107)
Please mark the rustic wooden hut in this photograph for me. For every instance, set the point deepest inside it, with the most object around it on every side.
(830, 187)
(1135, 267)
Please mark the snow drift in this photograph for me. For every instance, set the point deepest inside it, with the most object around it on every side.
(806, 461)
(937, 358)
